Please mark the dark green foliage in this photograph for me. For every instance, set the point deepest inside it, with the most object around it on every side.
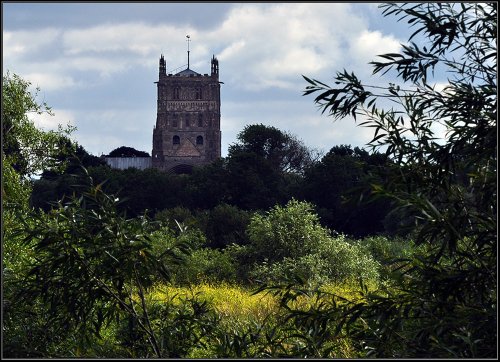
(207, 265)
(253, 183)
(340, 183)
(266, 167)
(125, 151)
(171, 217)
(208, 185)
(143, 190)
(52, 185)
(225, 225)
(79, 157)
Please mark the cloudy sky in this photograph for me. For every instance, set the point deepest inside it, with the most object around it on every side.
(96, 63)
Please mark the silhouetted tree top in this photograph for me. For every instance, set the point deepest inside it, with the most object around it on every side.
(125, 151)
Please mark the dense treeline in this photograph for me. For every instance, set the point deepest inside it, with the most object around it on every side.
(272, 252)
(264, 168)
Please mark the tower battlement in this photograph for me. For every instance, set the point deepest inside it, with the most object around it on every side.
(187, 131)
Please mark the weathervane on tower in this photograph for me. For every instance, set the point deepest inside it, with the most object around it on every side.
(188, 40)
(187, 131)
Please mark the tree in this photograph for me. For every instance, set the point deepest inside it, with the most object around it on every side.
(74, 162)
(53, 186)
(26, 150)
(284, 151)
(225, 225)
(448, 185)
(335, 185)
(125, 151)
(264, 166)
(289, 243)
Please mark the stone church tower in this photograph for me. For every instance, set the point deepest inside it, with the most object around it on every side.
(187, 131)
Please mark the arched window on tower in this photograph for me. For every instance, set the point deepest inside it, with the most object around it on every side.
(198, 93)
(177, 92)
(175, 121)
(176, 140)
(200, 120)
(199, 140)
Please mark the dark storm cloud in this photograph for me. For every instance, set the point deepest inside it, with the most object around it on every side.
(36, 15)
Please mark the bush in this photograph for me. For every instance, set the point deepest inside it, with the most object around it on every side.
(225, 225)
(178, 214)
(291, 231)
(289, 244)
(208, 265)
(392, 254)
(385, 249)
(335, 261)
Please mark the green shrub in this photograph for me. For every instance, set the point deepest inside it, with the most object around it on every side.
(335, 261)
(244, 258)
(288, 243)
(178, 214)
(392, 254)
(291, 231)
(347, 260)
(225, 225)
(206, 264)
(384, 249)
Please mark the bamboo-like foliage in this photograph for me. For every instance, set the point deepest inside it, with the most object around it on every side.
(448, 184)
(93, 265)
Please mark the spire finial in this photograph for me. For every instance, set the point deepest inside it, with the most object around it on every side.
(188, 40)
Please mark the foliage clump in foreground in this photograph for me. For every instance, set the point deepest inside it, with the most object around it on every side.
(447, 305)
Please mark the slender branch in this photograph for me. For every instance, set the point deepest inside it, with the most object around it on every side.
(129, 308)
(146, 315)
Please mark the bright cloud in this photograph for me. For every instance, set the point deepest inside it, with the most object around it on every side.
(279, 42)
(50, 81)
(140, 39)
(24, 43)
(368, 44)
(50, 122)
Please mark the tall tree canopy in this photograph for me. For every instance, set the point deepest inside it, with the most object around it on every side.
(283, 150)
(26, 149)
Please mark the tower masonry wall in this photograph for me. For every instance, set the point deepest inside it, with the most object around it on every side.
(187, 129)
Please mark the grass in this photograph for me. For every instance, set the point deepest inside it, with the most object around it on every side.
(232, 302)
(238, 303)
(238, 307)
